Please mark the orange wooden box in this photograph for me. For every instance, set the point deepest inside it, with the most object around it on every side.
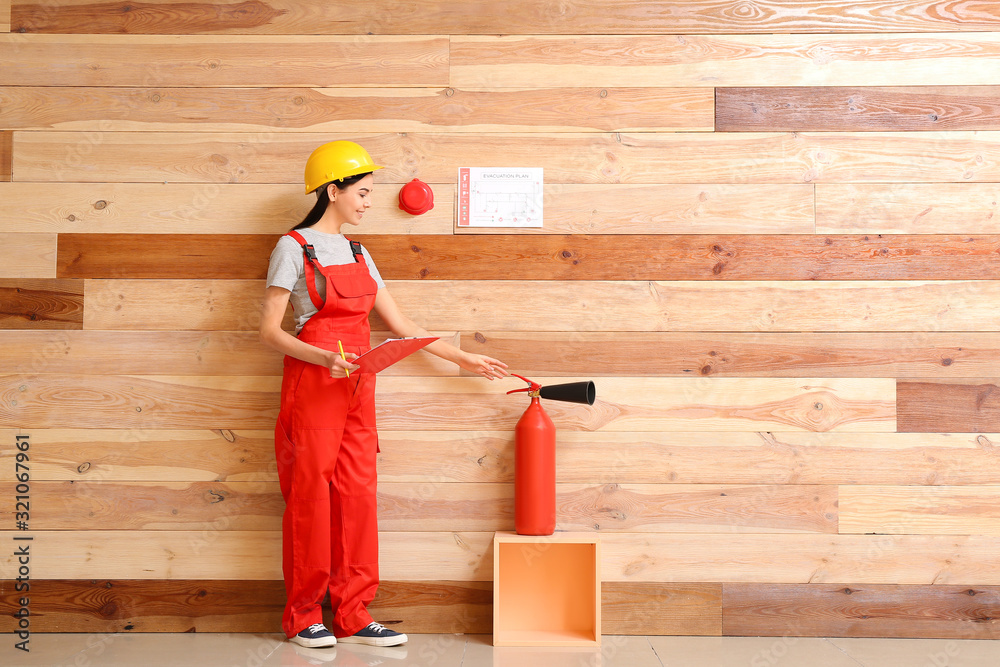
(546, 590)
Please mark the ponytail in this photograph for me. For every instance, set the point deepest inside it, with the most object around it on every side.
(313, 216)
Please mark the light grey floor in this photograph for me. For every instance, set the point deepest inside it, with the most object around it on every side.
(270, 650)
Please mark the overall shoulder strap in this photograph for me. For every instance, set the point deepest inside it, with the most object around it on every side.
(356, 250)
(307, 248)
(311, 264)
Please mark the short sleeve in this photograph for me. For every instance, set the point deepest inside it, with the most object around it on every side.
(286, 264)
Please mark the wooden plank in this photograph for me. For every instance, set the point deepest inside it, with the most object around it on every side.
(162, 256)
(182, 208)
(220, 305)
(946, 405)
(6, 155)
(958, 560)
(140, 353)
(135, 554)
(153, 605)
(437, 458)
(27, 255)
(567, 158)
(174, 353)
(69, 16)
(659, 457)
(354, 110)
(650, 404)
(907, 208)
(109, 158)
(41, 304)
(135, 402)
(695, 306)
(547, 257)
(838, 109)
(664, 608)
(860, 610)
(85, 456)
(220, 60)
(178, 208)
(163, 605)
(681, 508)
(559, 306)
(443, 607)
(672, 257)
(614, 508)
(724, 60)
(895, 354)
(517, 17)
(5, 12)
(239, 555)
(408, 404)
(218, 506)
(186, 506)
(465, 556)
(937, 510)
(550, 257)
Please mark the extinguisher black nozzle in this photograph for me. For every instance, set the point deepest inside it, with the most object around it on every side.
(571, 392)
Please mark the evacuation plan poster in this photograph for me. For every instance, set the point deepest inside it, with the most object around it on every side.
(499, 197)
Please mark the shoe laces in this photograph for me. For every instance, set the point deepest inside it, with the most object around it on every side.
(316, 627)
(377, 627)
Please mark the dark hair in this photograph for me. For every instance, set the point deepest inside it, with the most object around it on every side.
(323, 200)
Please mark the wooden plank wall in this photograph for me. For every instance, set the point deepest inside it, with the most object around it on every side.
(770, 237)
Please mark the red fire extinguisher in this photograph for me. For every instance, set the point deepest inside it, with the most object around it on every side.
(535, 456)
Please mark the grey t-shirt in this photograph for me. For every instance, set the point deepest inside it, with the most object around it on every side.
(288, 270)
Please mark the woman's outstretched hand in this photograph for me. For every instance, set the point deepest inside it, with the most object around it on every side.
(480, 364)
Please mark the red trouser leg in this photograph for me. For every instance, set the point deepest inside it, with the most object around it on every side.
(326, 466)
(353, 509)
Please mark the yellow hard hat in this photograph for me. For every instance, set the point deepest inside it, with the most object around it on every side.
(335, 161)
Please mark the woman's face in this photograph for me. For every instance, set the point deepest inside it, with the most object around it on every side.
(350, 204)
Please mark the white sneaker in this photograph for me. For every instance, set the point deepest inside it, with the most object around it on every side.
(315, 636)
(375, 634)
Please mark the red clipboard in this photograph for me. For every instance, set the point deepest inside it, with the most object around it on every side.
(390, 351)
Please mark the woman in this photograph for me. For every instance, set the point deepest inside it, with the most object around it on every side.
(325, 438)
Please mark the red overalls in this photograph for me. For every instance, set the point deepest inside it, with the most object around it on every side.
(325, 446)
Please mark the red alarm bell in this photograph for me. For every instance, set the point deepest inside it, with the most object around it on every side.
(416, 197)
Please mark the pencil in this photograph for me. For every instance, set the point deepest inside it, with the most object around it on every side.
(341, 346)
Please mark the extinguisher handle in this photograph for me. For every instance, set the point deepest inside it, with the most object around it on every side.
(532, 385)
